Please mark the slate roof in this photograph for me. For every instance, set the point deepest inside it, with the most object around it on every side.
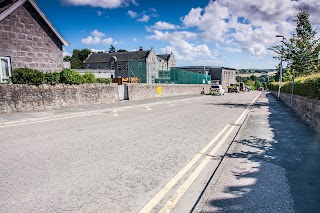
(5, 4)
(164, 56)
(119, 56)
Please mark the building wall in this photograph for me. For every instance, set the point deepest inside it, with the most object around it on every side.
(152, 67)
(26, 38)
(172, 61)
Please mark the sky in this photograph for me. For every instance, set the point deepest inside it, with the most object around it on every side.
(229, 33)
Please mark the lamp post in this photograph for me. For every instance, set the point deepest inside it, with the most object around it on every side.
(280, 78)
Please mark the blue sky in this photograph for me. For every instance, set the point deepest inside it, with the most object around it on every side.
(199, 32)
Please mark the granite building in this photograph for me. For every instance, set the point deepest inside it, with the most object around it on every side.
(28, 38)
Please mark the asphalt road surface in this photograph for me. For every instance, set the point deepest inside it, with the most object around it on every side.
(135, 158)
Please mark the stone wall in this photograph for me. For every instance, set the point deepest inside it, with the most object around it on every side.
(26, 38)
(26, 98)
(15, 98)
(145, 91)
(306, 108)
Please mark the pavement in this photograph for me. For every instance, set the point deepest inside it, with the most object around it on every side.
(272, 166)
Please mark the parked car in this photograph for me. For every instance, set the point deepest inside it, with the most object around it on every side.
(216, 90)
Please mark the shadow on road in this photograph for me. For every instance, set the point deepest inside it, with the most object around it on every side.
(282, 151)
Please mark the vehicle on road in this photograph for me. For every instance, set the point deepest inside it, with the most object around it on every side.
(216, 90)
(233, 88)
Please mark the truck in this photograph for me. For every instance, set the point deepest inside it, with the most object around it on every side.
(233, 88)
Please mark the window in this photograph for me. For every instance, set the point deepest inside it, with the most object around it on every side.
(88, 66)
(112, 65)
(98, 67)
(119, 66)
(106, 66)
(5, 69)
(140, 65)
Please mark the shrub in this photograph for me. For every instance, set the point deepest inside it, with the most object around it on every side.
(27, 76)
(90, 78)
(305, 86)
(104, 80)
(52, 78)
(69, 76)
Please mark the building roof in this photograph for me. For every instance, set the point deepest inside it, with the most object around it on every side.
(118, 56)
(204, 67)
(9, 6)
(164, 56)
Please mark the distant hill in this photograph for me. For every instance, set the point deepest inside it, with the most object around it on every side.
(248, 71)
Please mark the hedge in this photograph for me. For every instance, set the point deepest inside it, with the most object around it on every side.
(66, 76)
(305, 86)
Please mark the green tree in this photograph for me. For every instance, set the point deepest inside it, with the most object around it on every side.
(253, 77)
(112, 49)
(78, 57)
(122, 50)
(302, 50)
(67, 58)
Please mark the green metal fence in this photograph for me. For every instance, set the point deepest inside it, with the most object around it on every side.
(138, 69)
(147, 73)
(179, 76)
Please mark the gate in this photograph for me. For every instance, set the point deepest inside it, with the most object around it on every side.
(123, 92)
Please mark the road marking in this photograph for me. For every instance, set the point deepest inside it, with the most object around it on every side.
(247, 109)
(175, 198)
(148, 108)
(156, 199)
(32, 121)
(185, 186)
(115, 113)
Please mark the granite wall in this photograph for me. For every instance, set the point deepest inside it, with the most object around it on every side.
(306, 108)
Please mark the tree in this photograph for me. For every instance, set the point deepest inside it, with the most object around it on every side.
(122, 50)
(253, 77)
(112, 49)
(78, 57)
(67, 58)
(302, 50)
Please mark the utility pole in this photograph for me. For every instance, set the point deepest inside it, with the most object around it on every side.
(280, 78)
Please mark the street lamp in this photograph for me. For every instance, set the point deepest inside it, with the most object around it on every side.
(280, 78)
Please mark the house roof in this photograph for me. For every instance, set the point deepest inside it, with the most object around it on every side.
(9, 6)
(164, 56)
(118, 56)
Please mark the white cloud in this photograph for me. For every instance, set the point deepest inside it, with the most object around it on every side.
(91, 40)
(65, 53)
(99, 13)
(97, 33)
(161, 25)
(172, 36)
(251, 25)
(232, 50)
(97, 50)
(132, 14)
(100, 3)
(96, 38)
(107, 41)
(135, 40)
(144, 18)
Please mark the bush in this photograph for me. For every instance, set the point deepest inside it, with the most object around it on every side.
(104, 80)
(52, 78)
(27, 76)
(69, 76)
(306, 86)
(90, 78)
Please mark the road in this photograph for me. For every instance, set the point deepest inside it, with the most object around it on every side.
(121, 159)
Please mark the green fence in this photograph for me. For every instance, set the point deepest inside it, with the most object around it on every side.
(147, 73)
(138, 69)
(179, 76)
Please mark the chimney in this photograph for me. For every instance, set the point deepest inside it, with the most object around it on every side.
(141, 48)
